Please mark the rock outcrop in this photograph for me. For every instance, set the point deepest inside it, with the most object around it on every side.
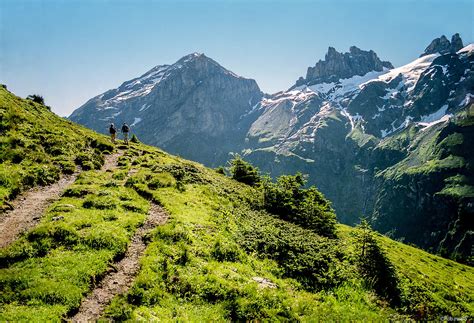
(442, 45)
(338, 66)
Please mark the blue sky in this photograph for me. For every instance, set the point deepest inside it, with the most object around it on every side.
(69, 51)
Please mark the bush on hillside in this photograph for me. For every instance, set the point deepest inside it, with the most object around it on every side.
(220, 170)
(375, 266)
(306, 207)
(244, 172)
(315, 261)
(134, 139)
(36, 98)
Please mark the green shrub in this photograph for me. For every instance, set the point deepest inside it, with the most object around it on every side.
(134, 207)
(224, 250)
(102, 145)
(244, 172)
(41, 175)
(220, 170)
(315, 261)
(119, 175)
(36, 98)
(90, 160)
(134, 139)
(98, 239)
(172, 233)
(374, 265)
(123, 161)
(67, 166)
(119, 310)
(78, 191)
(306, 207)
(161, 180)
(101, 203)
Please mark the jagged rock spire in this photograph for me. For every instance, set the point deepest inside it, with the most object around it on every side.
(443, 46)
(343, 65)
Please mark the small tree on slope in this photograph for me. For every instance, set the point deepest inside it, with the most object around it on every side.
(374, 265)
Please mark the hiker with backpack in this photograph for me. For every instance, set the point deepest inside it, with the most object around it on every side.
(112, 132)
(125, 131)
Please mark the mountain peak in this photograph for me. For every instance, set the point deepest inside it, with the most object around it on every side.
(199, 62)
(338, 65)
(192, 56)
(443, 46)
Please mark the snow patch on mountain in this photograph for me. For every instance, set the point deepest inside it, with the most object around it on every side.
(136, 121)
(426, 125)
(467, 100)
(403, 125)
(469, 48)
(435, 118)
(435, 115)
(144, 107)
(335, 91)
(410, 72)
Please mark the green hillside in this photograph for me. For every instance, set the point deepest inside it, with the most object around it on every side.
(37, 146)
(226, 252)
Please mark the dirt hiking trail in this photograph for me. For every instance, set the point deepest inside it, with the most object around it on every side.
(29, 207)
(119, 279)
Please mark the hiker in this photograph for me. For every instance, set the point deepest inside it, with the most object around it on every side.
(125, 130)
(112, 132)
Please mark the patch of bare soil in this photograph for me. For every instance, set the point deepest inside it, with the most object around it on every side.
(121, 277)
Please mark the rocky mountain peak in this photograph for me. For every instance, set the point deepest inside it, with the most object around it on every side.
(193, 57)
(200, 65)
(443, 46)
(338, 65)
(456, 42)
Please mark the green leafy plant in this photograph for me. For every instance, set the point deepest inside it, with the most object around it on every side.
(306, 207)
(134, 139)
(36, 98)
(244, 172)
(375, 266)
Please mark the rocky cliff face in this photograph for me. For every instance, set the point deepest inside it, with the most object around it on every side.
(193, 108)
(442, 45)
(362, 130)
(343, 65)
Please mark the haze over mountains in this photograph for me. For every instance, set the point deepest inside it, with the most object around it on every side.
(383, 142)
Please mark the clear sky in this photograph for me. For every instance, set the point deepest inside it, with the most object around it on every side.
(69, 51)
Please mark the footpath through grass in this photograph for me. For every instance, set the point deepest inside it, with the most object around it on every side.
(48, 271)
(37, 146)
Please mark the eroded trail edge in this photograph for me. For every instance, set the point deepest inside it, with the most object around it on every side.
(30, 206)
(120, 280)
